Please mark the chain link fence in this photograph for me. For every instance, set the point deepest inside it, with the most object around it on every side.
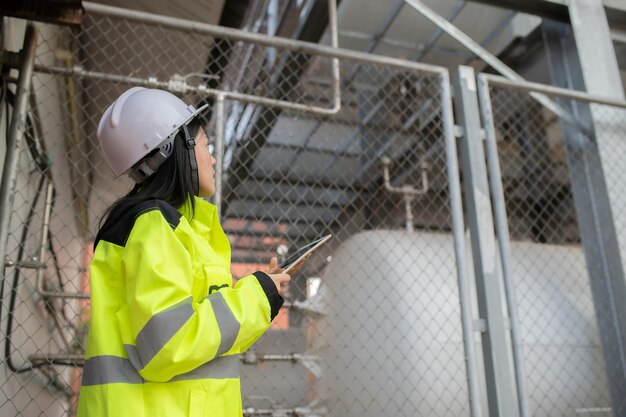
(374, 323)
(562, 355)
(371, 324)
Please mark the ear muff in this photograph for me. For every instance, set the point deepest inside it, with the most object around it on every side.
(191, 144)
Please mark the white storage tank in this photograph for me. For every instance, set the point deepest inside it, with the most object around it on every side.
(391, 340)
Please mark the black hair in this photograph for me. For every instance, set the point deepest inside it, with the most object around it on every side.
(171, 182)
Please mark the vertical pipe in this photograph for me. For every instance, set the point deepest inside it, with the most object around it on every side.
(45, 227)
(408, 203)
(334, 41)
(502, 229)
(272, 26)
(458, 228)
(14, 140)
(44, 235)
(219, 150)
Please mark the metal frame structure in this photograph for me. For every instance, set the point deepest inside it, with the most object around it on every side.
(604, 288)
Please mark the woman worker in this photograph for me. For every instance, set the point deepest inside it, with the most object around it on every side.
(167, 326)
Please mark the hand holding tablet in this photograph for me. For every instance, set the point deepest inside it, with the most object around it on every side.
(300, 255)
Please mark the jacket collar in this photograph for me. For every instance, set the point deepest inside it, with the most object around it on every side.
(205, 217)
(205, 222)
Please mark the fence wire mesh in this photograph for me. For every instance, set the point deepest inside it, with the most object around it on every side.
(372, 323)
(565, 370)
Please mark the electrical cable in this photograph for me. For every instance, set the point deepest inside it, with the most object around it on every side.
(42, 163)
(14, 285)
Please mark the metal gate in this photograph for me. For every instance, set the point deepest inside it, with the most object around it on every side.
(554, 162)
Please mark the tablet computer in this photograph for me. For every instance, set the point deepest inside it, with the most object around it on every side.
(297, 256)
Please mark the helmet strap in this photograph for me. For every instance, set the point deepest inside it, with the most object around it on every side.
(148, 166)
(191, 144)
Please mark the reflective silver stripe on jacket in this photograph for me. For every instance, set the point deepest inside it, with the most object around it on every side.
(109, 370)
(228, 324)
(163, 326)
(219, 368)
(159, 330)
(101, 370)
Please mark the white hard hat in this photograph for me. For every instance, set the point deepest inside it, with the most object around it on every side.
(138, 122)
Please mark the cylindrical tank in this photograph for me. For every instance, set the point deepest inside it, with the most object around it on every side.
(391, 341)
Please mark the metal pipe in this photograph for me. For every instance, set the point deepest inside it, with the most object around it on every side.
(27, 264)
(550, 90)
(65, 294)
(60, 328)
(14, 139)
(502, 230)
(45, 227)
(272, 26)
(334, 38)
(42, 252)
(219, 151)
(257, 38)
(184, 88)
(408, 212)
(405, 189)
(228, 33)
(458, 228)
(44, 235)
(78, 359)
(408, 193)
(294, 357)
(280, 412)
(181, 87)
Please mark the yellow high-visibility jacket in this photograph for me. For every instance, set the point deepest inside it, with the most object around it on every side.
(167, 327)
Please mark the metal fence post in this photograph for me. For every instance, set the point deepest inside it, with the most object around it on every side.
(456, 211)
(498, 368)
(502, 229)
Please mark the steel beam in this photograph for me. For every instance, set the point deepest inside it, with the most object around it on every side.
(499, 372)
(596, 173)
(601, 76)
